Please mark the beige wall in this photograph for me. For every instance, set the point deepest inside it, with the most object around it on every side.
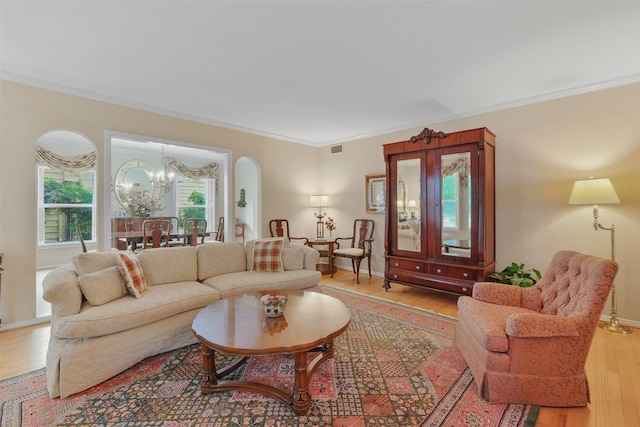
(541, 150)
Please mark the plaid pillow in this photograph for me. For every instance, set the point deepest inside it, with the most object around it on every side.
(267, 256)
(132, 273)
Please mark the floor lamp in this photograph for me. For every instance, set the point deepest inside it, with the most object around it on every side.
(599, 192)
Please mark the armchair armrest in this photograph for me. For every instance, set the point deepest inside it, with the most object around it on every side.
(503, 294)
(342, 238)
(60, 288)
(497, 293)
(303, 240)
(536, 325)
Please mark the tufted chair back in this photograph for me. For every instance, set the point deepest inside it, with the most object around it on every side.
(575, 284)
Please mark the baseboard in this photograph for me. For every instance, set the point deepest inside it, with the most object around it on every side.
(24, 323)
(625, 322)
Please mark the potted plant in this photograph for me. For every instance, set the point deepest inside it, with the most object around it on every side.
(516, 275)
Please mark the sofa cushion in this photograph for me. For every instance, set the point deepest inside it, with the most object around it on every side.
(159, 302)
(169, 265)
(132, 272)
(220, 258)
(293, 258)
(90, 262)
(255, 281)
(103, 286)
(267, 256)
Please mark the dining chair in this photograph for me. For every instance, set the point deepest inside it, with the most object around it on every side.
(194, 229)
(154, 232)
(359, 246)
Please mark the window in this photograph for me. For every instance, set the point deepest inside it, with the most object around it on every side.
(450, 206)
(196, 199)
(64, 200)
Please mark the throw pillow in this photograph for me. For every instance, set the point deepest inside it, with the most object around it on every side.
(267, 256)
(103, 286)
(91, 262)
(132, 273)
(249, 246)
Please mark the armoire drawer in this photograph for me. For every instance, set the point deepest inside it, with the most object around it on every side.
(460, 273)
(408, 265)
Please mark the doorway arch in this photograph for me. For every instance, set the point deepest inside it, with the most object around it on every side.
(248, 195)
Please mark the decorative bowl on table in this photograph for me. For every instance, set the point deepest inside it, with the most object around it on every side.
(274, 304)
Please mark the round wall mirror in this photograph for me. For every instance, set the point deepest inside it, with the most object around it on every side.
(133, 178)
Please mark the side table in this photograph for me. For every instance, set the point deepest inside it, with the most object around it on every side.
(325, 247)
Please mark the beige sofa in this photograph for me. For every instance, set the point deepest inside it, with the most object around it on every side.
(92, 342)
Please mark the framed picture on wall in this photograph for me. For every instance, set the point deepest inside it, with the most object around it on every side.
(375, 192)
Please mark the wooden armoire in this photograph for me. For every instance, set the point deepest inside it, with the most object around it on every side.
(440, 205)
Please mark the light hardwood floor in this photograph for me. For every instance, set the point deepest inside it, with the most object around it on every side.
(613, 365)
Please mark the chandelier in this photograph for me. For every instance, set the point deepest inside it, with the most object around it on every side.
(161, 180)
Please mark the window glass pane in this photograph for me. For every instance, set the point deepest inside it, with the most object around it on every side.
(192, 199)
(64, 188)
(450, 201)
(67, 200)
(60, 224)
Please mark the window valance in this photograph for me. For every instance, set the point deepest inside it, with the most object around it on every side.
(70, 164)
(461, 166)
(204, 172)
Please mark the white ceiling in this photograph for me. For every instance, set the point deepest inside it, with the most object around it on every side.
(320, 72)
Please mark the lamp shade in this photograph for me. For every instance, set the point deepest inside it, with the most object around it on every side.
(319, 201)
(413, 204)
(593, 192)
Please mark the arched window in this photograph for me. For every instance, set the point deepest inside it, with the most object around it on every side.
(66, 168)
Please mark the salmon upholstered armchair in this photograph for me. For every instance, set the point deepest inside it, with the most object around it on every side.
(530, 345)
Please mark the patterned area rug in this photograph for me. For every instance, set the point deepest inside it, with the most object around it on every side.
(394, 366)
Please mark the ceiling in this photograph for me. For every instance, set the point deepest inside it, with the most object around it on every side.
(320, 72)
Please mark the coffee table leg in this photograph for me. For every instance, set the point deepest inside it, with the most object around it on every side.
(209, 376)
(301, 395)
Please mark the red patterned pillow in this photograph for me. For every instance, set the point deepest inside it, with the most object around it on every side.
(132, 272)
(267, 256)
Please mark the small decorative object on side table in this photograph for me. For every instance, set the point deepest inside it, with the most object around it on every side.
(274, 304)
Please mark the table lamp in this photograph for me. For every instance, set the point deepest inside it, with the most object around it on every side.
(320, 203)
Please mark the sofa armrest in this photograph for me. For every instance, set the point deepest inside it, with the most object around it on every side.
(311, 257)
(61, 289)
(535, 325)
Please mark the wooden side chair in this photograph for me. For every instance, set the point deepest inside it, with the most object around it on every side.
(239, 229)
(218, 235)
(156, 233)
(79, 233)
(194, 231)
(280, 228)
(359, 246)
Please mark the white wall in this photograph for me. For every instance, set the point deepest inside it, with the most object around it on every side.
(541, 150)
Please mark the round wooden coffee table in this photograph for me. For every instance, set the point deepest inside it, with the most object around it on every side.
(238, 325)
